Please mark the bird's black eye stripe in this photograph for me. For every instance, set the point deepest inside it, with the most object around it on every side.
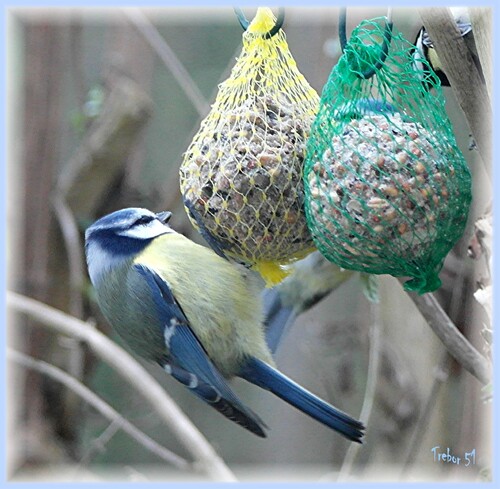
(143, 220)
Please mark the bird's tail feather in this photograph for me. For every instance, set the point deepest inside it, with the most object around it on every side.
(260, 373)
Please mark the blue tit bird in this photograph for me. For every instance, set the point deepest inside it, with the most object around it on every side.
(310, 280)
(197, 315)
(424, 49)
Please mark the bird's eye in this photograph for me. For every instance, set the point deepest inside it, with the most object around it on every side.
(143, 220)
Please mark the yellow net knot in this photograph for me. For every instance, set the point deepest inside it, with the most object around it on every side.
(263, 21)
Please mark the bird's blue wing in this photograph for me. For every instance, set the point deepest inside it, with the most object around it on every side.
(189, 362)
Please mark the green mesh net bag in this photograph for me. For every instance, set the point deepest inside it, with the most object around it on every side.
(241, 176)
(387, 189)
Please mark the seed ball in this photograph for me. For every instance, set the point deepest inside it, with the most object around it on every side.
(389, 179)
(253, 155)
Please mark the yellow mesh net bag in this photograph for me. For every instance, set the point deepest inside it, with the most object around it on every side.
(241, 176)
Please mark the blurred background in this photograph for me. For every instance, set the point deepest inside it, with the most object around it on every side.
(102, 105)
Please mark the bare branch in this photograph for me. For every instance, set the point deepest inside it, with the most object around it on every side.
(482, 19)
(455, 342)
(463, 75)
(88, 175)
(71, 237)
(100, 405)
(135, 374)
(98, 444)
(441, 374)
(371, 384)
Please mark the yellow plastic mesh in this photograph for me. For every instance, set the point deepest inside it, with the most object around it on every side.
(241, 176)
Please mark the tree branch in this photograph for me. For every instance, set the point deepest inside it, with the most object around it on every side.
(481, 19)
(463, 75)
(455, 342)
(135, 374)
(88, 175)
(99, 404)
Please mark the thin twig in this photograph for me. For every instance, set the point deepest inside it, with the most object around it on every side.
(455, 342)
(98, 444)
(371, 385)
(440, 376)
(100, 405)
(71, 237)
(137, 376)
(167, 55)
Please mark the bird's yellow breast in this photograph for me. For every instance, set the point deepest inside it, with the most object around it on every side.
(220, 300)
(434, 59)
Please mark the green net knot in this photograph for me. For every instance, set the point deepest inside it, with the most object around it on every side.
(366, 49)
(429, 281)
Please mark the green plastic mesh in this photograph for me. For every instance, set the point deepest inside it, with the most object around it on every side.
(387, 190)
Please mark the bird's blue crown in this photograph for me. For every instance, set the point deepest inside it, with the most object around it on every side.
(121, 234)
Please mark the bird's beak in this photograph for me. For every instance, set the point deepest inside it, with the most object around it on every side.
(164, 217)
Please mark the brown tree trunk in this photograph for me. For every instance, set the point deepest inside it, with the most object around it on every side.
(43, 68)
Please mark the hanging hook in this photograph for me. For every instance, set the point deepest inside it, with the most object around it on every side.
(245, 23)
(385, 46)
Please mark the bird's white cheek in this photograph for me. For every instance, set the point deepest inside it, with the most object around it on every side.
(100, 262)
